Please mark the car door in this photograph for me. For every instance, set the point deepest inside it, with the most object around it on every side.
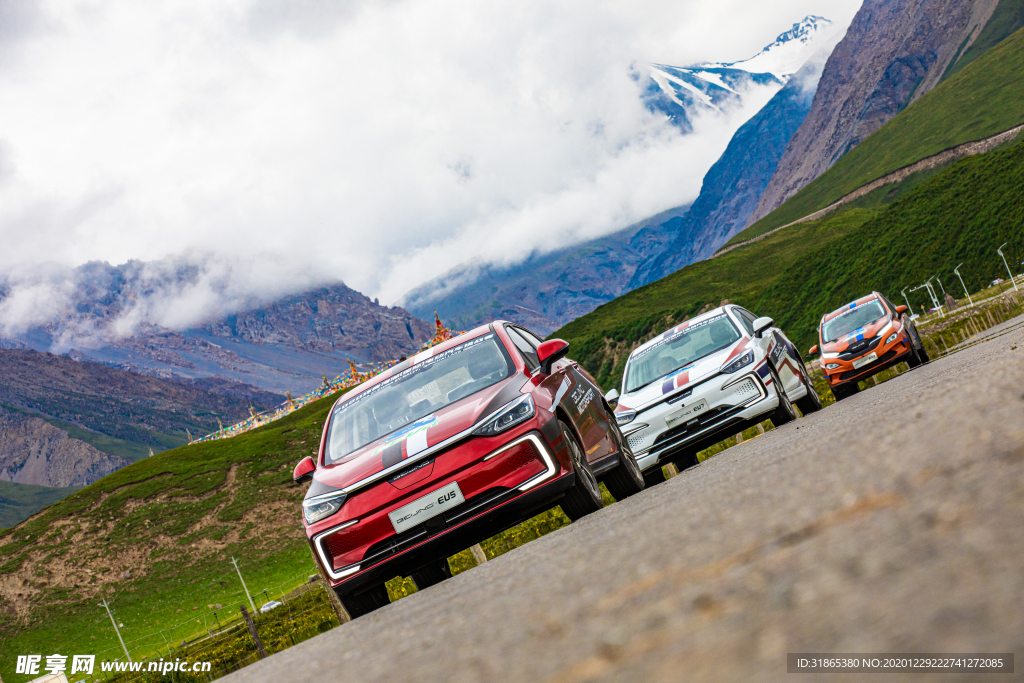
(578, 395)
(780, 352)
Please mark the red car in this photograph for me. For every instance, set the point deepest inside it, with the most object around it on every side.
(451, 447)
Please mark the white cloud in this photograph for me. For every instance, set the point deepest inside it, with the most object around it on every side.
(376, 142)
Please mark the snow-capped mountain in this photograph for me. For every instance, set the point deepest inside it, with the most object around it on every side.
(789, 52)
(680, 92)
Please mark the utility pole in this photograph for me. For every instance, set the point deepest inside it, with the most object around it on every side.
(909, 307)
(1010, 272)
(116, 630)
(957, 271)
(235, 562)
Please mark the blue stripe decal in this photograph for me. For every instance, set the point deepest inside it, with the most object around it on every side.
(763, 371)
(667, 386)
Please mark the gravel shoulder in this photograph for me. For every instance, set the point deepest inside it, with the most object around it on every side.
(890, 522)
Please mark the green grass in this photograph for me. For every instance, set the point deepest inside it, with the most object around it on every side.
(985, 98)
(1007, 18)
(959, 215)
(20, 501)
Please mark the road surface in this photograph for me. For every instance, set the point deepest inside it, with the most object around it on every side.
(893, 521)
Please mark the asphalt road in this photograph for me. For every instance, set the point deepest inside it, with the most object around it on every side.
(893, 521)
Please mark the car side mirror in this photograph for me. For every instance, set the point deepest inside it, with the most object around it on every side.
(612, 397)
(304, 470)
(551, 351)
(762, 324)
(900, 310)
(813, 350)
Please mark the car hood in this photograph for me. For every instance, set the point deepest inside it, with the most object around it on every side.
(685, 376)
(415, 437)
(867, 332)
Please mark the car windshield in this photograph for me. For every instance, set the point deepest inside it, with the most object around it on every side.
(854, 319)
(402, 404)
(678, 350)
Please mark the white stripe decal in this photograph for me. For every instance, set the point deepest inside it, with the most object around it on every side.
(566, 383)
(416, 443)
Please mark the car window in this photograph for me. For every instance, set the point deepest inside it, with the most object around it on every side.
(746, 320)
(526, 349)
(852, 320)
(403, 404)
(530, 336)
(675, 352)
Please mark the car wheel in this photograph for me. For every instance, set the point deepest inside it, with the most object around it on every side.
(432, 574)
(811, 403)
(784, 413)
(922, 353)
(915, 357)
(584, 497)
(360, 604)
(654, 476)
(625, 480)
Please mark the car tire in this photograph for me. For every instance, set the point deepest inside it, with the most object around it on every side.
(915, 357)
(654, 476)
(625, 480)
(811, 403)
(584, 496)
(361, 604)
(785, 413)
(923, 355)
(432, 574)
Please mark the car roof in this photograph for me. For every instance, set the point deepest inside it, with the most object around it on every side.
(415, 359)
(679, 328)
(853, 304)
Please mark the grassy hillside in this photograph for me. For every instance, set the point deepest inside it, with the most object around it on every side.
(19, 501)
(985, 98)
(1007, 18)
(960, 214)
(173, 521)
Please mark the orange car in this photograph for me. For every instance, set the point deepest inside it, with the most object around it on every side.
(863, 338)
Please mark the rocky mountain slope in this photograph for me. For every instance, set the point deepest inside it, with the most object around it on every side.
(893, 52)
(113, 402)
(547, 290)
(118, 315)
(32, 451)
(733, 186)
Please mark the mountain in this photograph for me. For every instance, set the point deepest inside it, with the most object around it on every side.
(734, 185)
(32, 451)
(546, 290)
(926, 223)
(112, 314)
(116, 411)
(982, 101)
(684, 92)
(894, 52)
(20, 501)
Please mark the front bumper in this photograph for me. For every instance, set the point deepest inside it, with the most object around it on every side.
(502, 486)
(735, 402)
(888, 356)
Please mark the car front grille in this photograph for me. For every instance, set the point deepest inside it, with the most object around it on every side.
(524, 454)
(857, 349)
(885, 358)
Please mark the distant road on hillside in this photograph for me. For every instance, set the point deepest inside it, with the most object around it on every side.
(892, 521)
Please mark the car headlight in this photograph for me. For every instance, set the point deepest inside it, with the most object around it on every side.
(741, 362)
(625, 417)
(892, 337)
(512, 414)
(832, 366)
(315, 510)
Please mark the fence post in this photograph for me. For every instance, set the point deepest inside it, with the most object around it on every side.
(252, 631)
(332, 597)
(478, 554)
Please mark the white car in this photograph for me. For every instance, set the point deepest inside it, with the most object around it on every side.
(273, 604)
(705, 380)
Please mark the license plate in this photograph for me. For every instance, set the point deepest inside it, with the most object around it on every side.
(861, 362)
(687, 413)
(430, 505)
